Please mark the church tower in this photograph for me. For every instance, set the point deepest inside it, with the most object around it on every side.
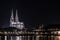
(11, 19)
(16, 17)
(14, 22)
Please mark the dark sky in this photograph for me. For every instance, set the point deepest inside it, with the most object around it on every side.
(31, 12)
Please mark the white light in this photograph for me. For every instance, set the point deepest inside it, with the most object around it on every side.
(18, 22)
(5, 37)
(21, 22)
(19, 37)
(13, 22)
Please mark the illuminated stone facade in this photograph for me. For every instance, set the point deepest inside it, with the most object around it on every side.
(14, 22)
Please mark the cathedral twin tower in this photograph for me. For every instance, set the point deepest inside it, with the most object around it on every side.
(14, 22)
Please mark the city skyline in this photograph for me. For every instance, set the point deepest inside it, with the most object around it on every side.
(31, 13)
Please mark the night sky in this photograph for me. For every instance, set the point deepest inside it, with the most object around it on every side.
(31, 12)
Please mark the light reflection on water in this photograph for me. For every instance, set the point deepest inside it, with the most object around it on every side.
(57, 38)
(20, 38)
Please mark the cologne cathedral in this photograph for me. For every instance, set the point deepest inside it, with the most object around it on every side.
(14, 22)
(14, 25)
(17, 31)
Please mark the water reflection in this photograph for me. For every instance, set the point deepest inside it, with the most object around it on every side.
(57, 38)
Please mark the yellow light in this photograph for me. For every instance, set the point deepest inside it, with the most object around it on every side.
(57, 38)
(58, 32)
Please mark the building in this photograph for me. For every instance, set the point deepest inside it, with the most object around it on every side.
(14, 25)
(14, 22)
(17, 31)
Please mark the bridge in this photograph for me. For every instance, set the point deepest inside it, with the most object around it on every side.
(39, 34)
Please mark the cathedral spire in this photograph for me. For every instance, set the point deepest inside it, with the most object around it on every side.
(16, 17)
(11, 18)
(12, 15)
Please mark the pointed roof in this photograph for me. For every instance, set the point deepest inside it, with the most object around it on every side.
(12, 17)
(16, 17)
